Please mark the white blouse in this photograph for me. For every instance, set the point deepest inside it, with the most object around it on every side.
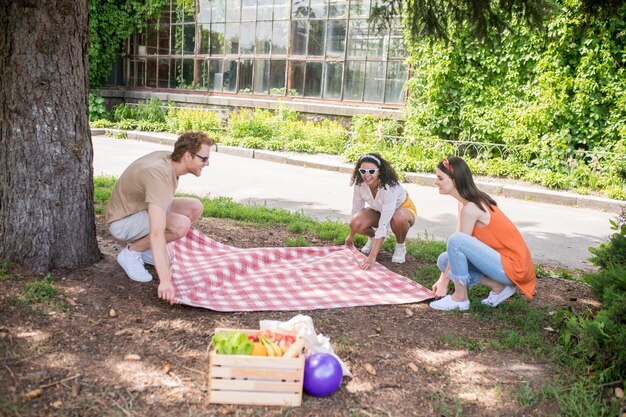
(387, 201)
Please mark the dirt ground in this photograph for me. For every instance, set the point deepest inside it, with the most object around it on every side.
(77, 363)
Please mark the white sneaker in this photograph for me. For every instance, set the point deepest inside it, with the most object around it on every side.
(147, 257)
(399, 253)
(495, 299)
(132, 264)
(368, 246)
(447, 303)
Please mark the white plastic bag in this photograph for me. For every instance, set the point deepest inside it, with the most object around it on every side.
(303, 326)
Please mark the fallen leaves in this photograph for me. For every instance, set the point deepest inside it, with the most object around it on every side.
(369, 368)
(33, 394)
(132, 357)
(112, 313)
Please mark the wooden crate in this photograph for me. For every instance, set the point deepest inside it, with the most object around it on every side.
(255, 380)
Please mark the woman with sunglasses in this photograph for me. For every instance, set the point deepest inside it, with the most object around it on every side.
(389, 207)
(486, 248)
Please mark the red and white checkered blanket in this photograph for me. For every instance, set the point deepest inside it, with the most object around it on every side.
(219, 277)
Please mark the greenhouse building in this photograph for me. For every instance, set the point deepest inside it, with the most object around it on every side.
(320, 56)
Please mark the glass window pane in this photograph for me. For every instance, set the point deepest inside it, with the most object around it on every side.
(151, 72)
(299, 29)
(190, 39)
(264, 10)
(175, 68)
(376, 44)
(245, 78)
(357, 39)
(396, 41)
(313, 79)
(277, 77)
(218, 11)
(317, 9)
(164, 73)
(164, 39)
(200, 75)
(263, 37)
(295, 78)
(374, 81)
(397, 72)
(140, 76)
(247, 38)
(230, 75)
(216, 75)
(281, 9)
(337, 8)
(188, 80)
(217, 39)
(336, 42)
(317, 34)
(261, 76)
(233, 10)
(300, 8)
(205, 37)
(204, 15)
(332, 83)
(359, 8)
(165, 17)
(231, 38)
(151, 42)
(248, 10)
(279, 38)
(177, 39)
(190, 11)
(353, 81)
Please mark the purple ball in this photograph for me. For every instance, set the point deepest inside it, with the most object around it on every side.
(322, 374)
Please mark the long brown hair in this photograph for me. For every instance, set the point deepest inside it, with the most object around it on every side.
(456, 168)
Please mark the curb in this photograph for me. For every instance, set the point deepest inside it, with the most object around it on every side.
(308, 161)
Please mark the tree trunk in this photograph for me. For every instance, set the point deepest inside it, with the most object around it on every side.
(46, 172)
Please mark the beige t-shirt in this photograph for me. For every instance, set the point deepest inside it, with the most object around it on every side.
(150, 179)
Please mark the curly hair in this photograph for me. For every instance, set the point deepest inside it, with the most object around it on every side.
(190, 142)
(387, 176)
(458, 170)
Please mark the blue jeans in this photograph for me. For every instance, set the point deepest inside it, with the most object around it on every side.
(470, 259)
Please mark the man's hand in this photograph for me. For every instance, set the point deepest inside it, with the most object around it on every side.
(349, 240)
(167, 292)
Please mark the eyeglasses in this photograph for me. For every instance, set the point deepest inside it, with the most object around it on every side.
(368, 171)
(204, 159)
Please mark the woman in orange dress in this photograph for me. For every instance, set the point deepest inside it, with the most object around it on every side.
(486, 248)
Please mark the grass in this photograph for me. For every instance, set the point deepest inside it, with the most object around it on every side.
(43, 291)
(5, 275)
(518, 324)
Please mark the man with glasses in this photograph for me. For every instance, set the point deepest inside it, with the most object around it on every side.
(142, 208)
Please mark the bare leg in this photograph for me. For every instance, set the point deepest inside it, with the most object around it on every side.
(460, 292)
(495, 286)
(364, 221)
(401, 222)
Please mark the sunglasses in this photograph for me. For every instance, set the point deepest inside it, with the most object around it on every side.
(368, 171)
(204, 159)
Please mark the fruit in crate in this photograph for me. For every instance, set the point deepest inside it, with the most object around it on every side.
(259, 349)
(268, 334)
(272, 347)
(285, 342)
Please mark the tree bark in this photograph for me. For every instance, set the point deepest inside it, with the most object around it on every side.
(46, 172)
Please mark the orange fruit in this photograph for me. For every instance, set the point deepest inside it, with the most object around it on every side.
(258, 349)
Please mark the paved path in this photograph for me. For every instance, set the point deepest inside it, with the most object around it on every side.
(558, 236)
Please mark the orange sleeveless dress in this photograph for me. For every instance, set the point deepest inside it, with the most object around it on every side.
(502, 235)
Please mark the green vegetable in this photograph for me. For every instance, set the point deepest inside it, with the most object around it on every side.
(233, 343)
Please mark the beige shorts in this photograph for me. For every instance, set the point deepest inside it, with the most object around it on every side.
(131, 228)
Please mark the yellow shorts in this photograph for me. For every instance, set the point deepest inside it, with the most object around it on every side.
(408, 204)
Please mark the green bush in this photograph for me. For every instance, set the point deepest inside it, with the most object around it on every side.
(612, 253)
(181, 120)
(97, 108)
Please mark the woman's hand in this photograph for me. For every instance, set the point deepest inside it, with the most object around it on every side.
(440, 288)
(166, 292)
(350, 240)
(368, 263)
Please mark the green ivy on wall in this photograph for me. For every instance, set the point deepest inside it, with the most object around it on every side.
(110, 23)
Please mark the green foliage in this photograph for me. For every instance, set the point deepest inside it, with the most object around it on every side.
(5, 275)
(297, 242)
(103, 187)
(97, 108)
(181, 120)
(102, 123)
(110, 23)
(563, 88)
(613, 252)
(41, 290)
